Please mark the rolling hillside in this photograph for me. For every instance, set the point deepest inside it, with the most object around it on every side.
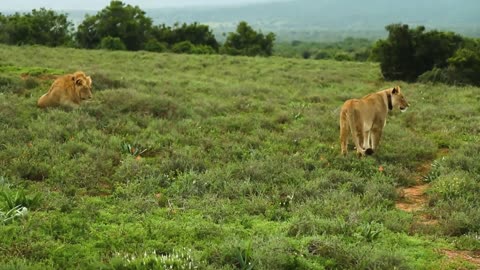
(218, 162)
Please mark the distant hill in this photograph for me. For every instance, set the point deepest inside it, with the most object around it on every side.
(327, 19)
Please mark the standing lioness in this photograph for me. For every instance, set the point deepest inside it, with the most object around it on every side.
(366, 117)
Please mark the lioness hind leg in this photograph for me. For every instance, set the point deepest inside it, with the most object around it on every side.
(367, 143)
(344, 132)
(358, 137)
(367, 140)
(357, 132)
(376, 136)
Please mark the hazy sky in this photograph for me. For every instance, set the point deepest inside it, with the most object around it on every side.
(99, 4)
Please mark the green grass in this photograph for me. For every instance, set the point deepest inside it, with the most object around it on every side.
(226, 163)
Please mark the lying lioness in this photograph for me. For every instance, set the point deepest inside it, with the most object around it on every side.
(366, 117)
(68, 90)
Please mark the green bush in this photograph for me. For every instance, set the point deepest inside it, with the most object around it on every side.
(341, 56)
(153, 45)
(183, 47)
(112, 43)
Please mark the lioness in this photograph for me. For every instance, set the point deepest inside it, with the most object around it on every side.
(366, 117)
(68, 90)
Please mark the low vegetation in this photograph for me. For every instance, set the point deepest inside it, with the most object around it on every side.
(219, 162)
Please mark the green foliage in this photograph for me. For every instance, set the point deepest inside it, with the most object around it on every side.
(246, 41)
(112, 43)
(135, 150)
(466, 63)
(21, 199)
(43, 27)
(462, 69)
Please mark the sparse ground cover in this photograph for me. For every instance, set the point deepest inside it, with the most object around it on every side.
(217, 162)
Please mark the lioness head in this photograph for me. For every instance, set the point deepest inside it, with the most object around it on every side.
(398, 99)
(83, 86)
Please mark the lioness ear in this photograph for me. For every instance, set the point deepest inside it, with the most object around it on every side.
(78, 82)
(395, 90)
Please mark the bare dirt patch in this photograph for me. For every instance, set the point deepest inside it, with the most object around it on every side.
(470, 256)
(412, 198)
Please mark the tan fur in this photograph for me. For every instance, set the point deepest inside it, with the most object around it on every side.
(366, 117)
(68, 90)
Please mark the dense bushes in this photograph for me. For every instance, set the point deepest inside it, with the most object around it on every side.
(440, 56)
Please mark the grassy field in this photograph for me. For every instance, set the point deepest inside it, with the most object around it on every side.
(217, 162)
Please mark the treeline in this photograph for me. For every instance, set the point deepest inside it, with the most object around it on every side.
(406, 54)
(125, 27)
(415, 54)
(348, 49)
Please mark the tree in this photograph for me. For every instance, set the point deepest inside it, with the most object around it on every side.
(466, 64)
(246, 41)
(44, 27)
(396, 54)
(117, 20)
(408, 53)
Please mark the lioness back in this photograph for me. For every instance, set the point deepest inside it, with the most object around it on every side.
(365, 118)
(68, 90)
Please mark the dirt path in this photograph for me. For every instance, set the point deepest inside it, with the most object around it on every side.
(415, 200)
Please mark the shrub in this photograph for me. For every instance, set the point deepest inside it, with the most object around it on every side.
(342, 56)
(153, 45)
(112, 43)
(183, 47)
(323, 55)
